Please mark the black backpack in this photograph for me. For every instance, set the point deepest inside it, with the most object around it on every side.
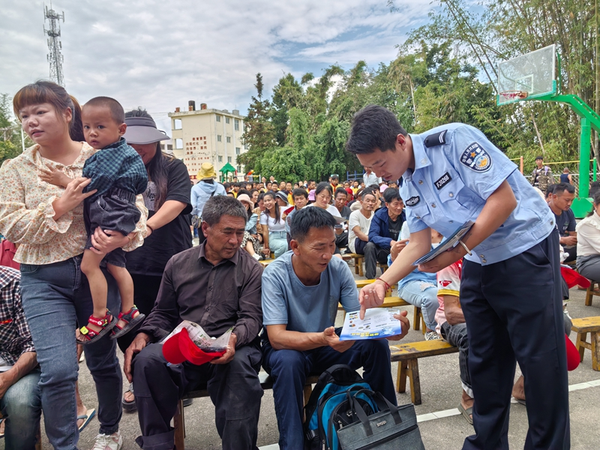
(330, 392)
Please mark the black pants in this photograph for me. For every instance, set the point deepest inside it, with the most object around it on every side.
(234, 389)
(373, 255)
(513, 311)
(145, 291)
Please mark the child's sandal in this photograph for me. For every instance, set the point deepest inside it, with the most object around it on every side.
(89, 336)
(130, 322)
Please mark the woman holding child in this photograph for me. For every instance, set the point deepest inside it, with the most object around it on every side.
(46, 221)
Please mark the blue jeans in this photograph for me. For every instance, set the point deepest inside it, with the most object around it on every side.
(56, 297)
(21, 405)
(422, 294)
(278, 242)
(457, 335)
(289, 368)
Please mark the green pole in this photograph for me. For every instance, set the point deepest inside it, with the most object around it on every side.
(584, 157)
(594, 166)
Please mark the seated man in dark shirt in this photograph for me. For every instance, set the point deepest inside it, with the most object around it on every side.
(384, 231)
(560, 203)
(216, 285)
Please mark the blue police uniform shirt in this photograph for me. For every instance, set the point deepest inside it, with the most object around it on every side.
(456, 169)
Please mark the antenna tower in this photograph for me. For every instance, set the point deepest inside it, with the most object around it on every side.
(55, 57)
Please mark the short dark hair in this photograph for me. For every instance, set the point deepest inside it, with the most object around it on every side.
(367, 191)
(562, 187)
(391, 194)
(374, 127)
(539, 157)
(117, 113)
(222, 205)
(307, 218)
(594, 187)
(299, 192)
(341, 190)
(335, 176)
(549, 189)
(244, 191)
(323, 185)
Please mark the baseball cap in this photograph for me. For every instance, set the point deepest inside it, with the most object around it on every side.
(180, 348)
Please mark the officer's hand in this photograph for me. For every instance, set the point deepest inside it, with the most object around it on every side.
(444, 260)
(371, 295)
(140, 341)
(405, 326)
(229, 353)
(333, 340)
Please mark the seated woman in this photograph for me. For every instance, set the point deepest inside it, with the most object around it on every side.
(588, 243)
(273, 226)
(250, 242)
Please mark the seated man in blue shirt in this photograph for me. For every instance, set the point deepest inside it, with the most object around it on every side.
(560, 201)
(419, 288)
(300, 294)
(384, 231)
(511, 291)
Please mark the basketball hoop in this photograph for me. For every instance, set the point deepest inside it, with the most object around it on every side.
(513, 95)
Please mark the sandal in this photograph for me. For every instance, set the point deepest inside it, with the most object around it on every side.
(131, 319)
(129, 406)
(89, 336)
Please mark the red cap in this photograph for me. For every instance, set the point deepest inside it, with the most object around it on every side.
(572, 354)
(180, 348)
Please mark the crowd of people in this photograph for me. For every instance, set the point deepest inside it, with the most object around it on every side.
(501, 281)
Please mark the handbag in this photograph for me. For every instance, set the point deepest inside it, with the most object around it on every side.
(391, 427)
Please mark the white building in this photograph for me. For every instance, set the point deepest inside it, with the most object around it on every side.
(207, 135)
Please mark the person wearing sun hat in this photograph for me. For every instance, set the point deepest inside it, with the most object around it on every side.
(202, 191)
(168, 226)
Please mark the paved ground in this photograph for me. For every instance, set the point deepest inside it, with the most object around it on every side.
(442, 427)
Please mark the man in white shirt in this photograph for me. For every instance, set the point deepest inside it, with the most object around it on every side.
(360, 221)
(369, 178)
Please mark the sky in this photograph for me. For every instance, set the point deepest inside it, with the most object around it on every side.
(160, 54)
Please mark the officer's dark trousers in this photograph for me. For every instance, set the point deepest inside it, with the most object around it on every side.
(373, 255)
(513, 310)
(234, 389)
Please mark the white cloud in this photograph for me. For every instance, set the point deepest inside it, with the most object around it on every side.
(160, 54)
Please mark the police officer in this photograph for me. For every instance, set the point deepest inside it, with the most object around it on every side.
(510, 290)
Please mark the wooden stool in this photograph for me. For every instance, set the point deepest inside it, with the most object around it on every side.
(582, 327)
(358, 262)
(594, 289)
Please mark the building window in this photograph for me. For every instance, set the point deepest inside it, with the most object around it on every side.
(178, 143)
(229, 159)
(220, 159)
(226, 119)
(237, 150)
(229, 139)
(177, 124)
(245, 146)
(239, 169)
(218, 138)
(236, 124)
(218, 118)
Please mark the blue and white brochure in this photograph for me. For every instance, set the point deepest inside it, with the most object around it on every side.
(378, 323)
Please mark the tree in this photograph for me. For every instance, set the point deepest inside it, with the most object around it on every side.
(259, 134)
(10, 142)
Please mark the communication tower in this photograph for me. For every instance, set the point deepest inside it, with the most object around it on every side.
(55, 57)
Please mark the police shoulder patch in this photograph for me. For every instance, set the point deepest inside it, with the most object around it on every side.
(476, 158)
(412, 201)
(435, 139)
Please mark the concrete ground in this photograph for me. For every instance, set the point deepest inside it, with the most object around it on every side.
(442, 427)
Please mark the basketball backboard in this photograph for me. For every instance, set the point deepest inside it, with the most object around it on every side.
(528, 76)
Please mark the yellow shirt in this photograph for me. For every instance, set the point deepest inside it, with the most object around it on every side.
(26, 212)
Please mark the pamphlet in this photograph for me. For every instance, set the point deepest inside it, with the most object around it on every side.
(449, 243)
(378, 323)
(201, 338)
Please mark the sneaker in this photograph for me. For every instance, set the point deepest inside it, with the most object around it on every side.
(108, 441)
(432, 336)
